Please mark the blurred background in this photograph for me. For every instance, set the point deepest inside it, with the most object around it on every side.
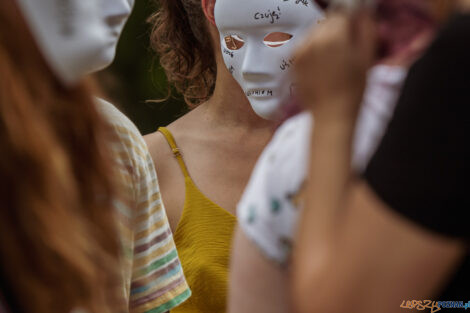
(136, 78)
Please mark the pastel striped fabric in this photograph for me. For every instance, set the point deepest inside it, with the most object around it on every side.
(153, 278)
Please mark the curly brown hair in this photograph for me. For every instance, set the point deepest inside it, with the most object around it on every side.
(58, 241)
(181, 38)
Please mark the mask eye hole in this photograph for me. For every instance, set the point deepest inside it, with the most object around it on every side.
(234, 42)
(277, 39)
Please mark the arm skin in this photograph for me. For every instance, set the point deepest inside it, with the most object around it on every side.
(370, 261)
(353, 252)
(256, 284)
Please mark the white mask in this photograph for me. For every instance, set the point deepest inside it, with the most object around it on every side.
(258, 38)
(76, 37)
(114, 14)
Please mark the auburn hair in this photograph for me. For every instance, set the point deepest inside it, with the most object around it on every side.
(58, 243)
(181, 39)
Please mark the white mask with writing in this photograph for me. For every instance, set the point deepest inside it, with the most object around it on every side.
(258, 38)
(71, 34)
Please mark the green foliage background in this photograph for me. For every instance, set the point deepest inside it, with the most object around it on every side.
(136, 76)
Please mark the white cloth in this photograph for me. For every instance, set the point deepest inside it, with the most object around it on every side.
(269, 208)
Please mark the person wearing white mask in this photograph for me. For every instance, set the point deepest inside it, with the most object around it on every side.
(76, 38)
(258, 39)
(58, 242)
(203, 159)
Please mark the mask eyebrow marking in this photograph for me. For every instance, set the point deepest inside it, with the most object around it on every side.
(234, 42)
(277, 39)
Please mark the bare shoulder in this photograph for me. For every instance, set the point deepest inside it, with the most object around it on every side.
(170, 176)
(161, 153)
(159, 147)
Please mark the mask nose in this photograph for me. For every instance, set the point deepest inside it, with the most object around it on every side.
(116, 11)
(256, 64)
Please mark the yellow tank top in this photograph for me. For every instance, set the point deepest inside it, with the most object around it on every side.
(203, 238)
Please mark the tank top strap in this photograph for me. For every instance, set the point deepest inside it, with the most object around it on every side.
(174, 148)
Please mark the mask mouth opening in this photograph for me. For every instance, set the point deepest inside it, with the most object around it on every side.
(277, 39)
(234, 42)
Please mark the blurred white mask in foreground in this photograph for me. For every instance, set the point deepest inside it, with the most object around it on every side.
(76, 37)
(258, 38)
(114, 13)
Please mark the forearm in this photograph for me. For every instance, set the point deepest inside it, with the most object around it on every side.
(332, 68)
(266, 293)
(329, 175)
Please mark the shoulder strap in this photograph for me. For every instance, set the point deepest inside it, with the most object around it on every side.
(174, 148)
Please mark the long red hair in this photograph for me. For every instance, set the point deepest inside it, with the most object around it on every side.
(58, 244)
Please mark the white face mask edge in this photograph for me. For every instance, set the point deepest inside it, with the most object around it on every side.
(114, 13)
(257, 41)
(76, 37)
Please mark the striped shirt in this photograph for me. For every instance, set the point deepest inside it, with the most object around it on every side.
(153, 277)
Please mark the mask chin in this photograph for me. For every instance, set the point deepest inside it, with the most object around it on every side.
(268, 109)
(104, 58)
